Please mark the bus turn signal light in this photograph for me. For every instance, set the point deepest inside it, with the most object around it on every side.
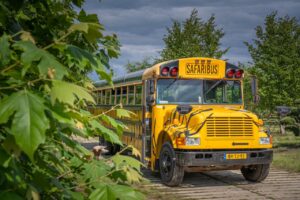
(180, 141)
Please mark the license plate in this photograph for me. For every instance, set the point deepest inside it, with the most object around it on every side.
(235, 156)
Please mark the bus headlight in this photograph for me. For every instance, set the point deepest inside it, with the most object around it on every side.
(264, 140)
(192, 141)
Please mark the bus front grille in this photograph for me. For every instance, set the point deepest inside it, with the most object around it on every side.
(229, 127)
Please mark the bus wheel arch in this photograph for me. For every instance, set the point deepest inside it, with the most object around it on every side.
(162, 138)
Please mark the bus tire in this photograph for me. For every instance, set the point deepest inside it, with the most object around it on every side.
(111, 148)
(256, 173)
(170, 172)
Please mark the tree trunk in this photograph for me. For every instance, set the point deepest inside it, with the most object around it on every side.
(282, 129)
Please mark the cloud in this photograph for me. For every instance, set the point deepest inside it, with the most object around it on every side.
(141, 24)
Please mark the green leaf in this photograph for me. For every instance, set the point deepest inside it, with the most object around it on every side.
(135, 151)
(29, 122)
(10, 196)
(108, 134)
(109, 120)
(5, 51)
(32, 193)
(67, 93)
(10, 146)
(132, 175)
(124, 113)
(95, 169)
(75, 145)
(83, 17)
(124, 192)
(82, 27)
(120, 160)
(82, 56)
(103, 193)
(112, 192)
(4, 158)
(94, 32)
(7, 108)
(47, 63)
(76, 195)
(104, 75)
(117, 125)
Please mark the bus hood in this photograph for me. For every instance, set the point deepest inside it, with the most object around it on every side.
(212, 122)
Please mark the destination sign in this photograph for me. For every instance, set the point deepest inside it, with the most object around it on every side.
(202, 67)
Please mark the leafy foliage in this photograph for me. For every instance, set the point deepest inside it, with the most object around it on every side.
(29, 121)
(276, 56)
(44, 60)
(193, 38)
(136, 66)
(292, 120)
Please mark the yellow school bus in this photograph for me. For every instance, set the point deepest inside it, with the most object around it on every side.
(190, 117)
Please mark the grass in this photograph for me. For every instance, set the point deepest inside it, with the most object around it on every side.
(288, 159)
(287, 141)
(286, 152)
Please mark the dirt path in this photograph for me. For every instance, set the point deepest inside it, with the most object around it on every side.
(228, 185)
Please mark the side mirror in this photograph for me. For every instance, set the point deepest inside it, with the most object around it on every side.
(150, 100)
(254, 89)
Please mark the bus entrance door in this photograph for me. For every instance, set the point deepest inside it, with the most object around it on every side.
(147, 119)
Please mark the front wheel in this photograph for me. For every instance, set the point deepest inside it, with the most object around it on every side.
(171, 173)
(256, 173)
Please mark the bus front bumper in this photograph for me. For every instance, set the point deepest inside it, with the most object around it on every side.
(223, 158)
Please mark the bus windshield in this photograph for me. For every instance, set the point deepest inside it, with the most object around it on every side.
(197, 91)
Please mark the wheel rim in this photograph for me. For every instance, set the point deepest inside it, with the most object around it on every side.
(166, 165)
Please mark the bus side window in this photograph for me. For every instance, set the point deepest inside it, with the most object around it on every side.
(107, 95)
(98, 97)
(113, 96)
(131, 95)
(124, 95)
(118, 95)
(138, 95)
(102, 100)
(95, 95)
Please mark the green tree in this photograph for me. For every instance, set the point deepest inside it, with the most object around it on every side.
(276, 55)
(139, 65)
(193, 38)
(46, 50)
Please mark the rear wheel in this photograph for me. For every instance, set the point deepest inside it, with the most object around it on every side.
(112, 148)
(256, 173)
(171, 173)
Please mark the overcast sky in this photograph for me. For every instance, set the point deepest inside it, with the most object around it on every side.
(141, 24)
